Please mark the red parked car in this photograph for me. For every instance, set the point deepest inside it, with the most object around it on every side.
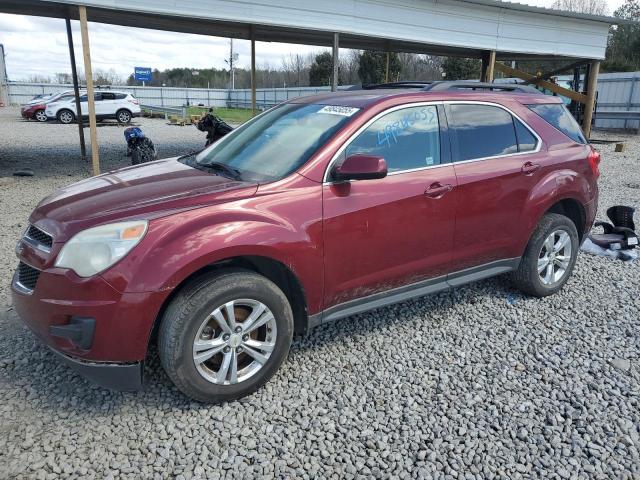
(318, 209)
(34, 111)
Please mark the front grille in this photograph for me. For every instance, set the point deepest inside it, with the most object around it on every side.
(27, 276)
(39, 236)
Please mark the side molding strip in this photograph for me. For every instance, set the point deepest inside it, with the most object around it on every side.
(419, 289)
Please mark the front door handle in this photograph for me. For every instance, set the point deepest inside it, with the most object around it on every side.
(530, 168)
(437, 190)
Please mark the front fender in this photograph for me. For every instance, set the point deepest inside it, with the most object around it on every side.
(177, 246)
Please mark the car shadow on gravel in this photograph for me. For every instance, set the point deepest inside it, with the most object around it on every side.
(45, 380)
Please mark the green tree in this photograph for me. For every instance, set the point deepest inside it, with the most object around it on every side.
(623, 49)
(321, 70)
(373, 67)
(461, 68)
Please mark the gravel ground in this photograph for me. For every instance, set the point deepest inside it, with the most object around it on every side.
(479, 382)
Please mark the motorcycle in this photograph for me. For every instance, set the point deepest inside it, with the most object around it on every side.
(215, 127)
(139, 147)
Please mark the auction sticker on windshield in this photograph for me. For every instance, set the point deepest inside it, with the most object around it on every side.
(338, 110)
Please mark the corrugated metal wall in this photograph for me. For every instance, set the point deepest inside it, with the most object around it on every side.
(162, 96)
(175, 97)
(616, 92)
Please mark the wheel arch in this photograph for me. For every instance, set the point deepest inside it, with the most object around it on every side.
(268, 267)
(574, 211)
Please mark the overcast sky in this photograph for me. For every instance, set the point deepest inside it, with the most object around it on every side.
(38, 46)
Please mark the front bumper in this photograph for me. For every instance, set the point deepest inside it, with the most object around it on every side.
(96, 330)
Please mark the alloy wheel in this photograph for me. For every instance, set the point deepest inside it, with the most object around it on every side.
(234, 342)
(555, 257)
(41, 116)
(124, 117)
(66, 117)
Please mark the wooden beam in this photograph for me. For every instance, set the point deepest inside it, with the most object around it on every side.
(565, 92)
(84, 31)
(336, 60)
(253, 76)
(566, 68)
(490, 66)
(76, 89)
(592, 89)
(386, 69)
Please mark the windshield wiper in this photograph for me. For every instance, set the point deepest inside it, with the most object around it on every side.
(220, 168)
(223, 169)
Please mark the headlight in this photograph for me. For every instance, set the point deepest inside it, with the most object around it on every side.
(96, 249)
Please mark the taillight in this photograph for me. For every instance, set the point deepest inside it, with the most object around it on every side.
(594, 161)
(134, 101)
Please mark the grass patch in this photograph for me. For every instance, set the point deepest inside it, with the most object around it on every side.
(229, 115)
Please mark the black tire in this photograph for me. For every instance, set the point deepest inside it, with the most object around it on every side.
(66, 116)
(195, 302)
(124, 116)
(526, 277)
(40, 116)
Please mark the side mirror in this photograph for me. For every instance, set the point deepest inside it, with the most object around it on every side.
(361, 167)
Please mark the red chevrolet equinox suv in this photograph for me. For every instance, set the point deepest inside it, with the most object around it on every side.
(318, 209)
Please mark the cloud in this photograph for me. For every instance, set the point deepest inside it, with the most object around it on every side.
(38, 46)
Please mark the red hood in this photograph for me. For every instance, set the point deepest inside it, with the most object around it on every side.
(141, 191)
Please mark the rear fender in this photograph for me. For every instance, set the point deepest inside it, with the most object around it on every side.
(551, 189)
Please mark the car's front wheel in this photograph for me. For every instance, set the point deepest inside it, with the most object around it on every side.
(224, 335)
(66, 116)
(549, 257)
(40, 116)
(123, 116)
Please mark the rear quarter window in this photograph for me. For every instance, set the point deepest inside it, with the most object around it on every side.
(557, 115)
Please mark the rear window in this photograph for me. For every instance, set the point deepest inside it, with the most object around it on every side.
(557, 115)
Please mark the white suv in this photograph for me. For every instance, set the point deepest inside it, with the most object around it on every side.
(109, 104)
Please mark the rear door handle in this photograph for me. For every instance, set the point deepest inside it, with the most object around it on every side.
(437, 190)
(530, 168)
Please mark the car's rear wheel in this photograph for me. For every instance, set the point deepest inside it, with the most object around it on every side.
(123, 116)
(40, 116)
(549, 257)
(66, 116)
(224, 335)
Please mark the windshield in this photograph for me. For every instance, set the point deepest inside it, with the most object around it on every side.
(278, 142)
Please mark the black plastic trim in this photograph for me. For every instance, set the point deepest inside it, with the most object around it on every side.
(419, 289)
(125, 377)
(79, 330)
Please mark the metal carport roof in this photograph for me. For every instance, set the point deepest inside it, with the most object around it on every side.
(445, 27)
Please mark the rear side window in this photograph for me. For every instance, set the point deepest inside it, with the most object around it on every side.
(557, 115)
(481, 131)
(408, 138)
(108, 96)
(527, 142)
(120, 96)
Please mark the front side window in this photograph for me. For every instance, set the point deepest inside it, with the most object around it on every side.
(559, 117)
(277, 142)
(481, 131)
(407, 139)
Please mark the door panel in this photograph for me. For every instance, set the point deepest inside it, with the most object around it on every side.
(497, 166)
(383, 234)
(491, 197)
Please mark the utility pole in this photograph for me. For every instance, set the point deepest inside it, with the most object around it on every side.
(233, 57)
(4, 82)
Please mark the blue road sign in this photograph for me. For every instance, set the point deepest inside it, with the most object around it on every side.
(142, 74)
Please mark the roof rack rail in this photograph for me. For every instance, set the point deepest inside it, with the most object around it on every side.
(373, 86)
(471, 85)
(440, 86)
